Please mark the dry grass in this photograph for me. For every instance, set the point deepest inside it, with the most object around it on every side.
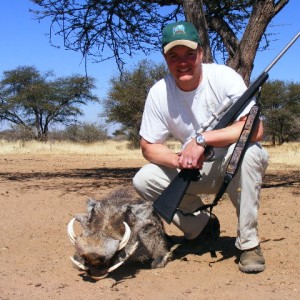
(286, 154)
(111, 148)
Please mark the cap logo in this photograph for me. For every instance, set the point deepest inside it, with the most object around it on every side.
(179, 29)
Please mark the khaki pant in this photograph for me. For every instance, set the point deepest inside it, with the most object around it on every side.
(243, 190)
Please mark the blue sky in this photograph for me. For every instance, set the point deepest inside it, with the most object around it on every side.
(24, 41)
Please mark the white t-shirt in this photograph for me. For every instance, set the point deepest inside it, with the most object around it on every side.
(169, 110)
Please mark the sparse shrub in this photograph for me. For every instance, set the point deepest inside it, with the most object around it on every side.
(85, 133)
(18, 133)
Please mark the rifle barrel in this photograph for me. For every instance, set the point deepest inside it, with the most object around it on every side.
(282, 52)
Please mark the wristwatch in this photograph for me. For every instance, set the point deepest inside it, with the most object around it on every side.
(200, 140)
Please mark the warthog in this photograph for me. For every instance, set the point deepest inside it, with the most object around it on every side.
(116, 229)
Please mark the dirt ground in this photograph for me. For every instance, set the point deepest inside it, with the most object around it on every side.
(39, 194)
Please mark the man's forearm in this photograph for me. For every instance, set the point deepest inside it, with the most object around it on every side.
(162, 155)
(229, 135)
(159, 154)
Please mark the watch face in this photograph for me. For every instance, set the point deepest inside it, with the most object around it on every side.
(200, 140)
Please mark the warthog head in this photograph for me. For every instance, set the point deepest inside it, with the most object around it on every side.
(116, 229)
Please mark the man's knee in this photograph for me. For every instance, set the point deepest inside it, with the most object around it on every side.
(256, 157)
(144, 179)
(152, 179)
(139, 181)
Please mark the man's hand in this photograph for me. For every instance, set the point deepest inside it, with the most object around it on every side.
(192, 156)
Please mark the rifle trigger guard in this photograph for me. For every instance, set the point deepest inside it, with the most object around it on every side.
(209, 154)
(196, 176)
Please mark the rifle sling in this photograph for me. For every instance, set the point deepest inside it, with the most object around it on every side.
(237, 155)
(233, 165)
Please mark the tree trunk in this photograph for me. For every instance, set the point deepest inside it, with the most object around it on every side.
(45, 132)
(241, 53)
(194, 13)
(262, 13)
(281, 138)
(273, 139)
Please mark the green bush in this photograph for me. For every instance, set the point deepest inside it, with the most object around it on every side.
(85, 133)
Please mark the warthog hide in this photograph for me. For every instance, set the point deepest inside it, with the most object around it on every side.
(116, 229)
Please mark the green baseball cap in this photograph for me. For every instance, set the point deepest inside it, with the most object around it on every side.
(180, 33)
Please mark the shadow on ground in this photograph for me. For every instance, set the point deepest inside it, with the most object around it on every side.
(77, 179)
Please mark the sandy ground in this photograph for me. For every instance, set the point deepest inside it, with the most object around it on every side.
(40, 193)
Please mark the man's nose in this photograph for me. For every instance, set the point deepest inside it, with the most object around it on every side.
(182, 60)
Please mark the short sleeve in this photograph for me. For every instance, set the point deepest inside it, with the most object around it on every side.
(153, 128)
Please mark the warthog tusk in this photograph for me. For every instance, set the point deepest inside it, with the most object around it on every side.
(123, 243)
(78, 264)
(71, 233)
(129, 253)
(126, 237)
(84, 268)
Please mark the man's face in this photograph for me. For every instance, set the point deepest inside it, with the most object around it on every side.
(185, 65)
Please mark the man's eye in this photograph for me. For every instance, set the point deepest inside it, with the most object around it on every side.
(191, 54)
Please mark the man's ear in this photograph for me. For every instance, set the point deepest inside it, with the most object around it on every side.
(200, 51)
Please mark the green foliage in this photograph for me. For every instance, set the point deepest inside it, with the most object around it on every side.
(127, 94)
(85, 133)
(31, 99)
(281, 111)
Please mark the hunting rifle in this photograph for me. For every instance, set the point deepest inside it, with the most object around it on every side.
(168, 202)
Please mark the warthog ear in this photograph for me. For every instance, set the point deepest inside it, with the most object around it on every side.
(129, 216)
(91, 205)
(82, 219)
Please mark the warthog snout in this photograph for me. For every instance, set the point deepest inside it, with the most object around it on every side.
(116, 229)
